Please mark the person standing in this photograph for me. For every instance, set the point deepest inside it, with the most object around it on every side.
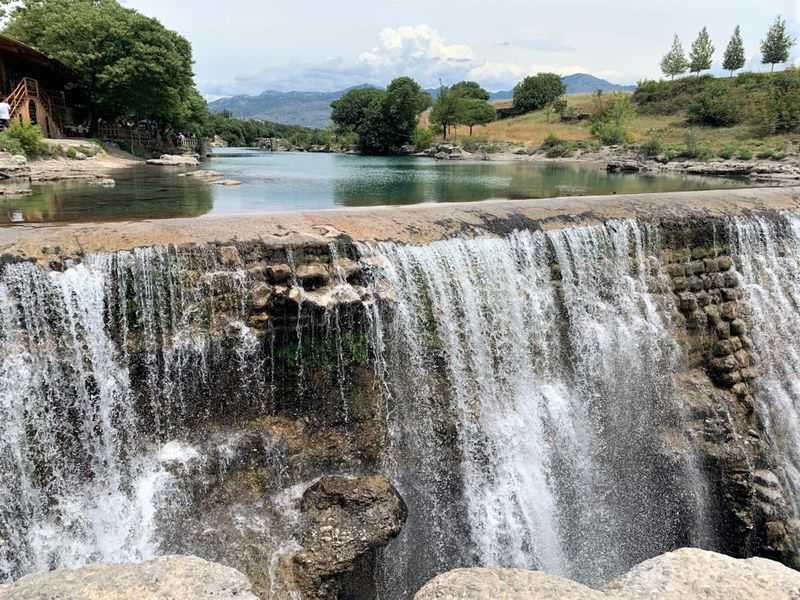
(5, 113)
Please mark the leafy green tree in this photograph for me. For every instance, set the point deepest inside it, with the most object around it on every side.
(475, 111)
(776, 46)
(447, 110)
(702, 53)
(351, 110)
(674, 62)
(470, 89)
(734, 58)
(130, 65)
(537, 91)
(384, 121)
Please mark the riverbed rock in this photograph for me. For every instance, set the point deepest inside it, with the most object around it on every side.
(175, 160)
(348, 519)
(14, 167)
(166, 577)
(508, 584)
(687, 574)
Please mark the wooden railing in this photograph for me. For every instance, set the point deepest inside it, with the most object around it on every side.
(28, 92)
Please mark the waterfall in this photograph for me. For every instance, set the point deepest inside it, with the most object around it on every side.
(767, 251)
(70, 491)
(82, 421)
(558, 380)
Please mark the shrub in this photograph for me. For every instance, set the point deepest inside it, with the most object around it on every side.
(554, 147)
(652, 146)
(537, 91)
(691, 149)
(29, 138)
(611, 118)
(71, 153)
(746, 154)
(422, 138)
(10, 144)
(727, 152)
(765, 154)
(668, 97)
(715, 106)
(776, 109)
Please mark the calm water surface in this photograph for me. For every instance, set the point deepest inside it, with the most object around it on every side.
(297, 181)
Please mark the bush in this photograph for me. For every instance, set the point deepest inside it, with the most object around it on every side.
(533, 93)
(652, 146)
(611, 118)
(776, 109)
(23, 139)
(71, 153)
(422, 138)
(765, 154)
(10, 144)
(555, 147)
(716, 106)
(668, 97)
(727, 152)
(746, 154)
(692, 149)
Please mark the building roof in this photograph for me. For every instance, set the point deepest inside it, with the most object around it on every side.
(9, 45)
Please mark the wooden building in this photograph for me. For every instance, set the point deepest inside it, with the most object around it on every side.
(35, 86)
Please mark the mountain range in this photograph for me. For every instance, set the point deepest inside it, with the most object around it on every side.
(313, 109)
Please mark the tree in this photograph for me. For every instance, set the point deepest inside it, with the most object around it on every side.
(350, 111)
(470, 89)
(384, 121)
(701, 56)
(734, 54)
(537, 91)
(446, 111)
(674, 62)
(130, 66)
(776, 46)
(475, 111)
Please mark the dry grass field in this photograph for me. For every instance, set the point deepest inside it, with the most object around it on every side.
(533, 128)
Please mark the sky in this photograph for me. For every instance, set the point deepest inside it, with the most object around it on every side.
(248, 46)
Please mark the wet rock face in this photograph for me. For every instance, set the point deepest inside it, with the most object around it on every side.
(174, 577)
(347, 519)
(750, 509)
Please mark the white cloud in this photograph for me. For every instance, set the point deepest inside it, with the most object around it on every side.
(417, 50)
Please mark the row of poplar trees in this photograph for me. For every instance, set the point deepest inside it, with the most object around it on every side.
(775, 48)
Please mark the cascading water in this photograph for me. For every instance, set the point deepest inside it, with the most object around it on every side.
(71, 491)
(767, 251)
(81, 474)
(527, 383)
(557, 389)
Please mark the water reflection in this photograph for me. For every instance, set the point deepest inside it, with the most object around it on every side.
(140, 193)
(284, 181)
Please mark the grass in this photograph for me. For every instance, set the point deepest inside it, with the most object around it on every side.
(532, 129)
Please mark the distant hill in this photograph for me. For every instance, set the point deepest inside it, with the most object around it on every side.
(313, 109)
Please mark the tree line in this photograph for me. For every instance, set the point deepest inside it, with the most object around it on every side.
(775, 49)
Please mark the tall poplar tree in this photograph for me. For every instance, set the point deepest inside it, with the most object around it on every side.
(734, 58)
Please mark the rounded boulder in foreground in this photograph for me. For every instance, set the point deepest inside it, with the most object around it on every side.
(166, 577)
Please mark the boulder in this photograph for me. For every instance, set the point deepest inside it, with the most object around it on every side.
(508, 584)
(14, 167)
(625, 166)
(693, 573)
(685, 574)
(175, 160)
(166, 577)
(348, 518)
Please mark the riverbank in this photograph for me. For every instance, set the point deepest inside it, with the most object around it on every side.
(80, 159)
(617, 159)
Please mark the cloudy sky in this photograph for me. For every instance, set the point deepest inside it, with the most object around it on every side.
(247, 46)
